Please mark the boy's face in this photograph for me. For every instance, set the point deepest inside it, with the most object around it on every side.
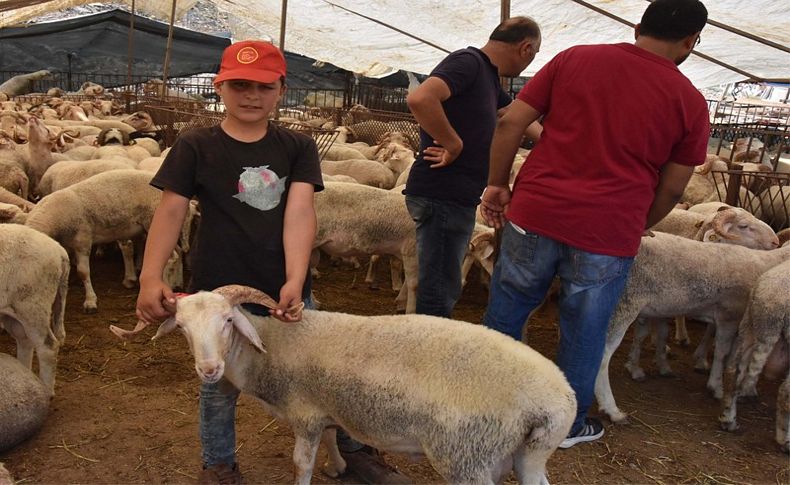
(250, 101)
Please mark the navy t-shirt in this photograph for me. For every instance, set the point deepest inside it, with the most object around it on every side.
(242, 189)
(475, 97)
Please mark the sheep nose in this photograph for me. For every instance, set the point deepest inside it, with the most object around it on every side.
(209, 369)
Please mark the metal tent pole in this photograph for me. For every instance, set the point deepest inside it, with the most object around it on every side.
(166, 65)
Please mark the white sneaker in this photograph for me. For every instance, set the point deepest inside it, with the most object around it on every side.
(591, 431)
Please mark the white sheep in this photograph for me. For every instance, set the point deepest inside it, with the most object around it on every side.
(672, 276)
(357, 220)
(33, 300)
(108, 207)
(366, 172)
(765, 324)
(64, 174)
(475, 402)
(775, 203)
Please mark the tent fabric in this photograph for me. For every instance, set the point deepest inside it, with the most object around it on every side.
(99, 44)
(350, 34)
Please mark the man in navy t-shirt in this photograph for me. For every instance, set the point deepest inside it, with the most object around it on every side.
(457, 108)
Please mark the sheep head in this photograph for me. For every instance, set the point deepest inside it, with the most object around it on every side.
(733, 225)
(208, 320)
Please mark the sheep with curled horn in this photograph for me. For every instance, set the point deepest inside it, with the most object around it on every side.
(414, 384)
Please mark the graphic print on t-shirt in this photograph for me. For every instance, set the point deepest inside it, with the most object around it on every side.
(260, 187)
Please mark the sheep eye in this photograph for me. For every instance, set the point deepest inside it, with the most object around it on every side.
(229, 320)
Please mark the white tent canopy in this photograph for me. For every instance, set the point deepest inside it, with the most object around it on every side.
(376, 38)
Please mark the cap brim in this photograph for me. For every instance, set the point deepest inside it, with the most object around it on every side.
(257, 75)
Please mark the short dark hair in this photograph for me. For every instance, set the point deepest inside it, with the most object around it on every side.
(673, 19)
(516, 29)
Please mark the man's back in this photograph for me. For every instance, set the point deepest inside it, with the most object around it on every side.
(615, 115)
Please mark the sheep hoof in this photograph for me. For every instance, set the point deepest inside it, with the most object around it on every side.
(727, 425)
(785, 447)
(701, 368)
(620, 419)
(666, 373)
(684, 342)
(89, 309)
(129, 283)
(374, 287)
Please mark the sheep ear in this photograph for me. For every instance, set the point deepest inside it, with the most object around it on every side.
(244, 326)
(166, 327)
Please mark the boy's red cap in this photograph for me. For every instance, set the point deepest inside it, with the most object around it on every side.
(251, 60)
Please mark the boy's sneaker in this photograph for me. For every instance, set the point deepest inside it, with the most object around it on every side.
(591, 431)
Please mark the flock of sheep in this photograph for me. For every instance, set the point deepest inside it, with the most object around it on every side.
(74, 174)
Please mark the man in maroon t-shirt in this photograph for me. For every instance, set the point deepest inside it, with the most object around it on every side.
(622, 132)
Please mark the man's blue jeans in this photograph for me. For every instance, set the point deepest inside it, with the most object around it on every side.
(591, 286)
(444, 229)
(218, 414)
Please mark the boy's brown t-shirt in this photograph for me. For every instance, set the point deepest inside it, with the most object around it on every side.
(242, 189)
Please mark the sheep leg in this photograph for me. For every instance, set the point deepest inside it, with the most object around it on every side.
(84, 273)
(24, 347)
(370, 277)
(47, 362)
(335, 465)
(681, 332)
(396, 269)
(305, 449)
(465, 267)
(725, 335)
(783, 415)
(411, 269)
(530, 465)
(641, 330)
(701, 354)
(661, 335)
(129, 273)
(603, 388)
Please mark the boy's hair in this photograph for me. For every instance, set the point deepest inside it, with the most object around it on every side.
(516, 29)
(673, 19)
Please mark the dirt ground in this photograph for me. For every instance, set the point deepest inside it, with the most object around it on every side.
(127, 412)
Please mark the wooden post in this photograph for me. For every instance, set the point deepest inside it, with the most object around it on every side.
(166, 65)
(129, 56)
(283, 16)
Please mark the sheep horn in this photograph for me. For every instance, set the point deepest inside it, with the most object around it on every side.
(721, 218)
(238, 294)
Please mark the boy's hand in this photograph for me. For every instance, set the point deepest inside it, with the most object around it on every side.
(290, 296)
(155, 302)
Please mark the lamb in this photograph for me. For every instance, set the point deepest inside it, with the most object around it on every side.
(414, 384)
(33, 301)
(23, 83)
(91, 212)
(702, 285)
(765, 324)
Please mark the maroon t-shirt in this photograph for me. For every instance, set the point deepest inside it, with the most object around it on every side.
(242, 189)
(615, 114)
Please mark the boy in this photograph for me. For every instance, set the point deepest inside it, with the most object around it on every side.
(255, 184)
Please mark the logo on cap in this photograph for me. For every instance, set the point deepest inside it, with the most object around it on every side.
(247, 55)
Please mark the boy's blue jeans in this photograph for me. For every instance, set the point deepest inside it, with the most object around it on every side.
(591, 286)
(218, 414)
(444, 229)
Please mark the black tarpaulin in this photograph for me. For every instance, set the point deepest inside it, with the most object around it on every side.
(99, 44)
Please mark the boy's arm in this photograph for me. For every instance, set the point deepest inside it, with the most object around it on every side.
(672, 181)
(162, 237)
(299, 228)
